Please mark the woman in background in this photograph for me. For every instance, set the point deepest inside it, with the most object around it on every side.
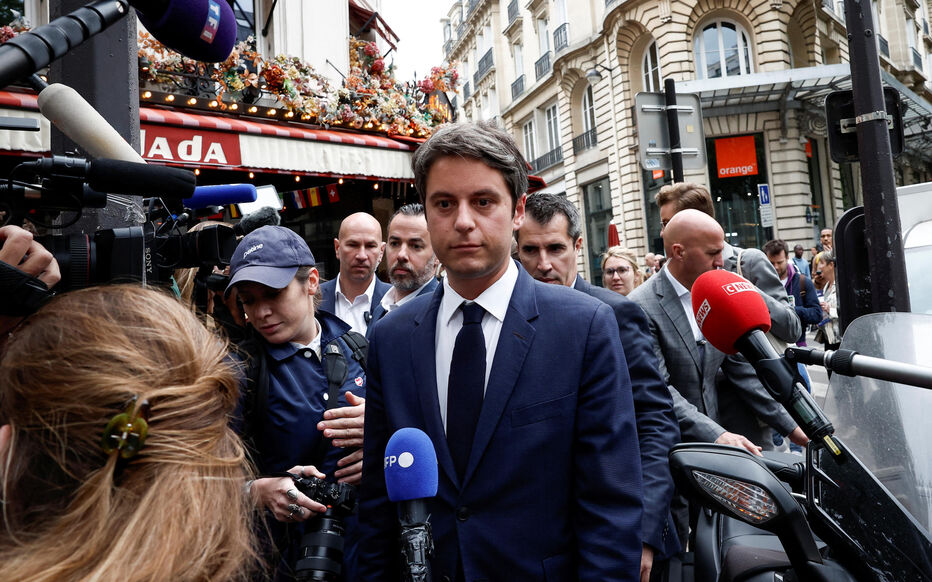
(620, 271)
(117, 461)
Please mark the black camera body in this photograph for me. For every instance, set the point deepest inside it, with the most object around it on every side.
(321, 552)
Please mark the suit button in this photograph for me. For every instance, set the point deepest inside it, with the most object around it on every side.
(463, 513)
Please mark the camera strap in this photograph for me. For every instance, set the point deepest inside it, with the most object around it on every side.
(24, 293)
(336, 370)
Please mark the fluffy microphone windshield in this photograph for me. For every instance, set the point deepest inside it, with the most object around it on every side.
(726, 307)
(410, 465)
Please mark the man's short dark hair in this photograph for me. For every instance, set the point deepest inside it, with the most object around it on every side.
(483, 141)
(542, 207)
(685, 195)
(413, 209)
(774, 247)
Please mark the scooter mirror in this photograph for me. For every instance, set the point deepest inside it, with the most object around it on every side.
(734, 482)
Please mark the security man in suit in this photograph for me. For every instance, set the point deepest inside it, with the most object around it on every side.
(411, 261)
(692, 367)
(520, 386)
(356, 291)
(548, 245)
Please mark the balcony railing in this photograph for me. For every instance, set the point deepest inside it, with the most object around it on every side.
(884, 46)
(485, 64)
(561, 37)
(447, 46)
(461, 30)
(551, 158)
(542, 66)
(585, 141)
(473, 4)
(517, 88)
(467, 93)
(512, 11)
(917, 59)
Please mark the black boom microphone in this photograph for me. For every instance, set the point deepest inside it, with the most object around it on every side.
(118, 177)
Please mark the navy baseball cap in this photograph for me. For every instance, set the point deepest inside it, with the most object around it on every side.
(269, 255)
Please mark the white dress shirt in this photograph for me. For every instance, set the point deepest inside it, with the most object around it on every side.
(495, 301)
(314, 346)
(354, 313)
(388, 300)
(686, 300)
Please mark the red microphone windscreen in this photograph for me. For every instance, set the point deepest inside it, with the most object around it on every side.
(726, 307)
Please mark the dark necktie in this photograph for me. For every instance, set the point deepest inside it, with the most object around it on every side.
(466, 385)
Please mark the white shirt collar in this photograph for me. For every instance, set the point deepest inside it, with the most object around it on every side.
(314, 346)
(388, 300)
(367, 295)
(677, 286)
(494, 300)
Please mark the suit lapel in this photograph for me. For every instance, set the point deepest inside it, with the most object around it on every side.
(424, 363)
(513, 345)
(673, 307)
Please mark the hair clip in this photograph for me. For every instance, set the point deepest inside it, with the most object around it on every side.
(126, 432)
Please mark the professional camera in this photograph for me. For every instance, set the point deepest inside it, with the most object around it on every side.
(321, 554)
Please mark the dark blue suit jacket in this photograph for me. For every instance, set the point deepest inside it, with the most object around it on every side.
(328, 296)
(378, 312)
(552, 489)
(658, 429)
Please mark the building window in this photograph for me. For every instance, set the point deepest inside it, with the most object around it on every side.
(553, 128)
(588, 111)
(651, 69)
(722, 49)
(598, 207)
(543, 36)
(245, 12)
(530, 150)
(519, 59)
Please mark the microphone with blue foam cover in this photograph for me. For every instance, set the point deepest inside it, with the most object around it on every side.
(411, 477)
(221, 195)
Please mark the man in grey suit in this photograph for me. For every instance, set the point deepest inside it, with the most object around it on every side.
(755, 266)
(692, 368)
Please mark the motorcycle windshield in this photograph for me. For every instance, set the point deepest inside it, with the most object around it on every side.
(888, 427)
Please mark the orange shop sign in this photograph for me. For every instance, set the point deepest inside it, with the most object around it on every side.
(163, 143)
(736, 156)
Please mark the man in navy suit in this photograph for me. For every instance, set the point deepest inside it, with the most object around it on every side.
(354, 293)
(548, 245)
(411, 261)
(548, 484)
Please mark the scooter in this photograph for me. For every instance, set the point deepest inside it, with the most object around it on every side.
(859, 507)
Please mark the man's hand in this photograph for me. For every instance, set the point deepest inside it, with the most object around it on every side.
(344, 424)
(21, 251)
(647, 562)
(350, 470)
(280, 496)
(736, 440)
(798, 437)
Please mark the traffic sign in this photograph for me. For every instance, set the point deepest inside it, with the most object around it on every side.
(650, 116)
(766, 205)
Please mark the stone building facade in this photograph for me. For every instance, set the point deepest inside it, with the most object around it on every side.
(562, 77)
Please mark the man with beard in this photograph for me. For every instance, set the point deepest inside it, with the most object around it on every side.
(410, 258)
(354, 293)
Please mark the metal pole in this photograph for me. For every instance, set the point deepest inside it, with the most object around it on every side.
(889, 290)
(673, 129)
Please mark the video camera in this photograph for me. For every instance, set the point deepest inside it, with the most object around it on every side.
(321, 553)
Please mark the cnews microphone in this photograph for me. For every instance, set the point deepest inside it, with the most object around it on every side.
(119, 177)
(733, 317)
(204, 196)
(410, 478)
(74, 117)
(203, 30)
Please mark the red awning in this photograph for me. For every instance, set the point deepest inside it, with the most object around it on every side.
(375, 20)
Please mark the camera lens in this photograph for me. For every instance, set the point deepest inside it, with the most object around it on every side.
(77, 258)
(321, 549)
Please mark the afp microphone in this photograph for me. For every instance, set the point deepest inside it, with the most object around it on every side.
(411, 478)
(734, 318)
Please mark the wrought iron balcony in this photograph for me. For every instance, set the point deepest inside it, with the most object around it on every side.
(543, 66)
(917, 59)
(551, 158)
(485, 65)
(473, 4)
(517, 88)
(884, 46)
(561, 37)
(512, 11)
(447, 47)
(585, 141)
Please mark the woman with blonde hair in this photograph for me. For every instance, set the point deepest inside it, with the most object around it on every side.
(620, 271)
(117, 461)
